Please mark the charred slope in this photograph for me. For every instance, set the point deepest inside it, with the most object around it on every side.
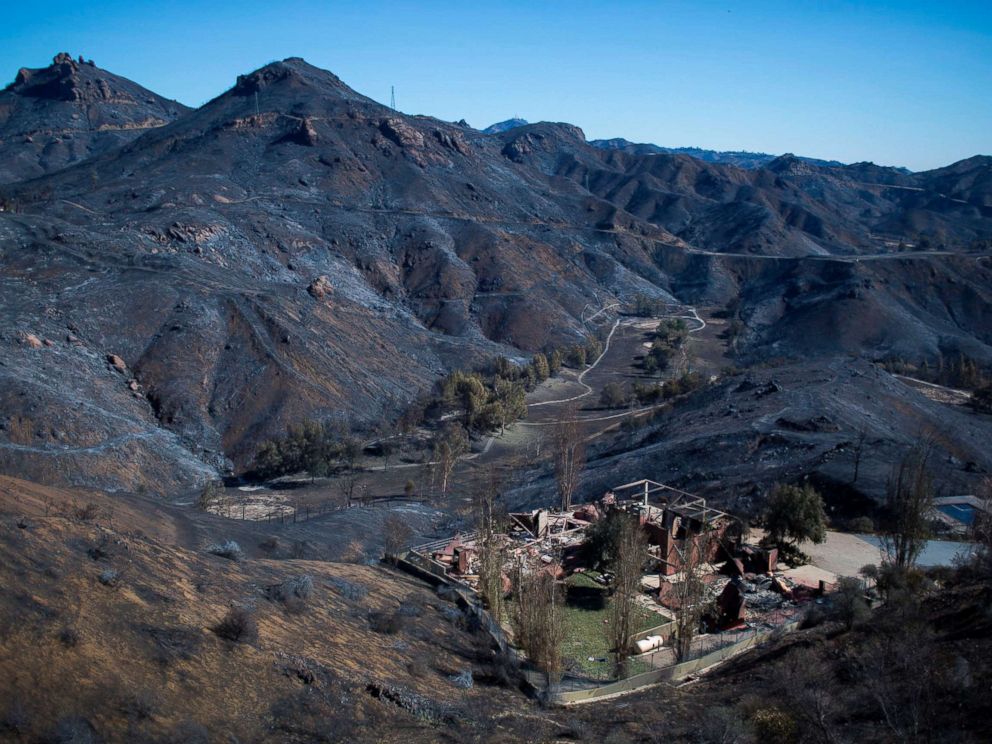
(789, 206)
(290, 249)
(293, 249)
(70, 111)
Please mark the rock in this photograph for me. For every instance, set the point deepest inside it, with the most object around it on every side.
(303, 134)
(31, 341)
(321, 287)
(453, 141)
(116, 362)
(133, 385)
(401, 133)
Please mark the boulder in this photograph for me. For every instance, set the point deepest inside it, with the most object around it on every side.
(401, 133)
(116, 362)
(321, 287)
(31, 341)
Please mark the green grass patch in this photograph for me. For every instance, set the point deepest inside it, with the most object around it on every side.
(585, 636)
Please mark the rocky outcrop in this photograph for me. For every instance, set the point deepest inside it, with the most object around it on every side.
(321, 287)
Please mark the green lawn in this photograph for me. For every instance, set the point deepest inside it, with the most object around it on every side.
(586, 636)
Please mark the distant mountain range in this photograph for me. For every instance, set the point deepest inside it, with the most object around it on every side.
(739, 158)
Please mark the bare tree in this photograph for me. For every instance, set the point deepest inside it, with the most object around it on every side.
(689, 595)
(396, 534)
(351, 487)
(898, 671)
(859, 447)
(908, 506)
(627, 564)
(539, 621)
(568, 447)
(805, 681)
(490, 518)
(451, 444)
(982, 528)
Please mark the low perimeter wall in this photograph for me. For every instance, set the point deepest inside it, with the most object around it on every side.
(668, 674)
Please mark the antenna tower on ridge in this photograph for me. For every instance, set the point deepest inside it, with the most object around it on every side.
(392, 97)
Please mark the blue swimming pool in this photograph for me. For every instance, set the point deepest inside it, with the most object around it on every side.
(964, 513)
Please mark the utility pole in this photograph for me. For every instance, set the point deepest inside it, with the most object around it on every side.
(256, 103)
(392, 97)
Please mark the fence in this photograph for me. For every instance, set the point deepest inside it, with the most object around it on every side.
(707, 650)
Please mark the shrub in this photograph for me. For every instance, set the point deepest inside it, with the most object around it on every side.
(293, 593)
(462, 680)
(410, 610)
(614, 395)
(15, 719)
(139, 706)
(861, 524)
(69, 636)
(348, 589)
(86, 512)
(74, 730)
(230, 550)
(417, 669)
(388, 623)
(813, 617)
(849, 603)
(190, 732)
(108, 577)
(173, 644)
(238, 626)
(774, 726)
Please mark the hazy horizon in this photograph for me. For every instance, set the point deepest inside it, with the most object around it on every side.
(905, 86)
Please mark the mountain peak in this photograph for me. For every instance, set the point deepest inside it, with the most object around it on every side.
(294, 74)
(53, 116)
(504, 126)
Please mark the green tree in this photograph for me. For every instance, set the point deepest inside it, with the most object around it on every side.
(269, 460)
(795, 514)
(613, 395)
(541, 369)
(511, 397)
(466, 391)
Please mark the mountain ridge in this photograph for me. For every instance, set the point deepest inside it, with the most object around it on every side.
(277, 250)
(71, 110)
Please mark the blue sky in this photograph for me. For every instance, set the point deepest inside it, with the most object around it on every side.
(901, 83)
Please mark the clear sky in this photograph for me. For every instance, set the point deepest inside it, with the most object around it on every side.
(899, 83)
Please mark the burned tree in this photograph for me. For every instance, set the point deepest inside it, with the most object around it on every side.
(396, 534)
(908, 505)
(538, 621)
(982, 529)
(449, 445)
(689, 591)
(490, 520)
(568, 448)
(627, 563)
